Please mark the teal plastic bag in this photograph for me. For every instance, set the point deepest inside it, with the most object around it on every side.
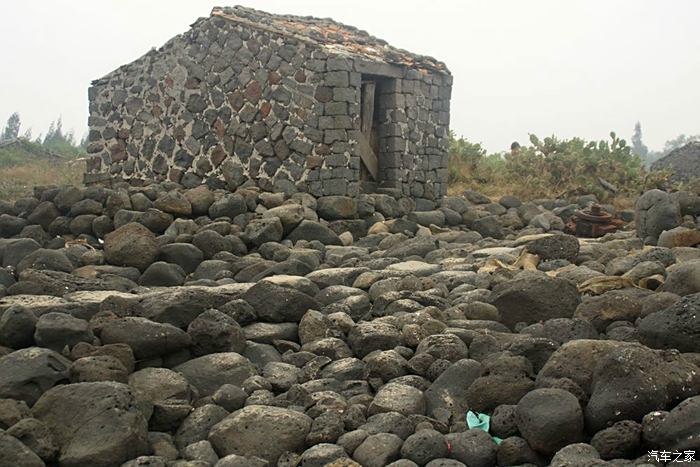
(481, 421)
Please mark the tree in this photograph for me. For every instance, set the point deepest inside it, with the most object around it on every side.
(677, 142)
(11, 130)
(55, 133)
(638, 147)
(60, 142)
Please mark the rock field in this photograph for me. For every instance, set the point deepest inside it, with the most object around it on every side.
(163, 326)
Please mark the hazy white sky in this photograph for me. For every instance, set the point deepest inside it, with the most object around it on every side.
(569, 68)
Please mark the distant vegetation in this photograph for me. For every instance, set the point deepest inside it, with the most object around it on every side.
(50, 159)
(56, 142)
(551, 167)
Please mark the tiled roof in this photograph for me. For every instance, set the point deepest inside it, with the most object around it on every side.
(333, 36)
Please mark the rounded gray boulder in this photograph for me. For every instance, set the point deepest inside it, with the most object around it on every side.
(261, 431)
(549, 419)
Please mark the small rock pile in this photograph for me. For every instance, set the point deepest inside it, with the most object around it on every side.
(164, 326)
(683, 162)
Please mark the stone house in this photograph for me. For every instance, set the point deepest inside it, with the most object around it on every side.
(285, 103)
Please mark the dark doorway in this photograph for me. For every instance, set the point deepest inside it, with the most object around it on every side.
(371, 118)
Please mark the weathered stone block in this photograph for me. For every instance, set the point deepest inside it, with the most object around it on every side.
(344, 94)
(336, 108)
(337, 79)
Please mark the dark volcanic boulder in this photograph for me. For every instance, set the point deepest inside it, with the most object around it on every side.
(17, 326)
(181, 306)
(197, 425)
(162, 274)
(336, 207)
(622, 440)
(378, 450)
(209, 372)
(555, 247)
(577, 361)
(322, 454)
(401, 398)
(155, 220)
(447, 395)
(36, 435)
(688, 201)
(229, 206)
(27, 373)
(15, 251)
(473, 448)
(445, 346)
(259, 231)
(654, 212)
(276, 304)
(131, 245)
(214, 331)
(562, 330)
(36, 282)
(11, 225)
(57, 330)
(615, 305)
(367, 337)
(261, 431)
(491, 390)
(185, 255)
(96, 424)
(514, 450)
(576, 454)
(158, 384)
(535, 298)
(678, 326)
(44, 214)
(310, 230)
(17, 454)
(146, 338)
(174, 203)
(424, 446)
(98, 368)
(628, 383)
(418, 246)
(674, 430)
(489, 226)
(200, 198)
(66, 197)
(683, 278)
(42, 259)
(289, 214)
(549, 419)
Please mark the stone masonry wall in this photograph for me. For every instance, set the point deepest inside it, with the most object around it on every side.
(414, 134)
(232, 105)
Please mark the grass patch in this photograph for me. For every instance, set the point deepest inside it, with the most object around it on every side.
(18, 181)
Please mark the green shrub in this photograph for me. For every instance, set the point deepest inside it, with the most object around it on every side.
(464, 157)
(552, 168)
